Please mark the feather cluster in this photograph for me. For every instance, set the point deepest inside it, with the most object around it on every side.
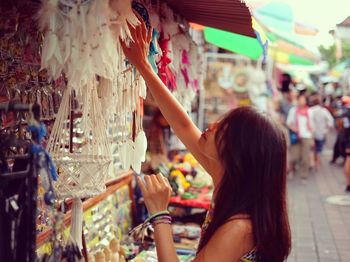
(81, 37)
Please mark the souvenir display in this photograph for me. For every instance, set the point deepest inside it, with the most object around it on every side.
(20, 46)
(20, 165)
(65, 56)
(19, 190)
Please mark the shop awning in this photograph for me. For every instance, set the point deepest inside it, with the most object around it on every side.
(236, 43)
(229, 15)
(288, 58)
(240, 44)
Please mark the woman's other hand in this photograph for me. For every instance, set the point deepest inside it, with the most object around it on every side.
(156, 192)
(137, 52)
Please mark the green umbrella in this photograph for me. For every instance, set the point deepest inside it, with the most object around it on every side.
(236, 43)
(298, 60)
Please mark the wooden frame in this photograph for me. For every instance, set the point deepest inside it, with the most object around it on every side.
(112, 187)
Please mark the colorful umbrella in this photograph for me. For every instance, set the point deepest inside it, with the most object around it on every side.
(305, 29)
(288, 58)
(240, 44)
(277, 16)
(280, 50)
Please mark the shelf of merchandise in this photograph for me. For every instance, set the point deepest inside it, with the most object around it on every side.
(112, 186)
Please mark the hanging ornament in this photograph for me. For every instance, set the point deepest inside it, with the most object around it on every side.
(79, 40)
(122, 14)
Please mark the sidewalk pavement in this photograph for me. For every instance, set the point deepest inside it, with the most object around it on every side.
(320, 231)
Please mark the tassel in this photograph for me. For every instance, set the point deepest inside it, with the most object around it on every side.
(139, 232)
(76, 230)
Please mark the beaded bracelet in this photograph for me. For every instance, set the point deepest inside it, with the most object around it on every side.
(161, 213)
(163, 217)
(161, 222)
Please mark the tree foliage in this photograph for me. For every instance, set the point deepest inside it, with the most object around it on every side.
(328, 53)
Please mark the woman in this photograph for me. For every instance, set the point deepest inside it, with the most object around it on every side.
(324, 122)
(300, 121)
(245, 153)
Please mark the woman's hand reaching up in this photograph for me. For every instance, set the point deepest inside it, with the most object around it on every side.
(137, 52)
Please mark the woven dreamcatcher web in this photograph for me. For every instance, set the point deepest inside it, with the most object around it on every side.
(79, 146)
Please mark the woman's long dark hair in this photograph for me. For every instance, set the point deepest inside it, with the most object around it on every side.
(252, 149)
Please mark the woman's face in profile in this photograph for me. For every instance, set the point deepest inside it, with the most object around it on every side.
(207, 141)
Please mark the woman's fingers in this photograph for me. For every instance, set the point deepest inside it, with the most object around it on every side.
(162, 180)
(124, 46)
(144, 31)
(164, 183)
(133, 33)
(159, 177)
(155, 183)
(156, 192)
(139, 32)
(148, 182)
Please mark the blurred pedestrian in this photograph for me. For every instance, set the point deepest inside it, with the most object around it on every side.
(338, 148)
(323, 122)
(299, 121)
(288, 100)
(346, 125)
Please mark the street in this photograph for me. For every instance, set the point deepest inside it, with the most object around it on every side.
(320, 231)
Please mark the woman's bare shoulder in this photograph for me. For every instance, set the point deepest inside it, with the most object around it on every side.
(239, 224)
(230, 241)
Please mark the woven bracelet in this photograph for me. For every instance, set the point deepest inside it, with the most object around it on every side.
(161, 213)
(161, 222)
(161, 217)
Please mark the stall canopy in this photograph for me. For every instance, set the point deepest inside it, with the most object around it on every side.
(277, 16)
(236, 43)
(240, 44)
(229, 15)
(287, 36)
